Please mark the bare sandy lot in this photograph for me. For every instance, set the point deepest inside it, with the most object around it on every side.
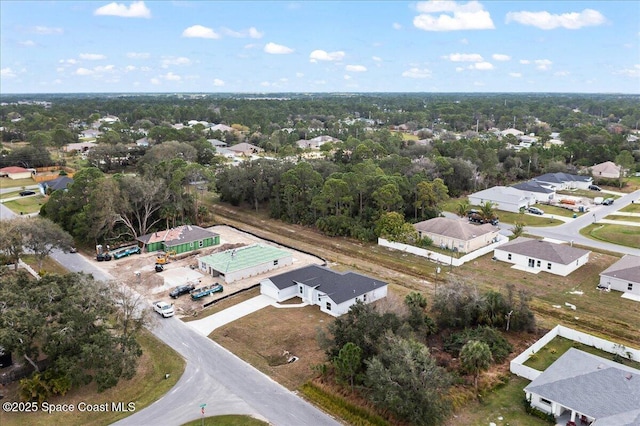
(138, 271)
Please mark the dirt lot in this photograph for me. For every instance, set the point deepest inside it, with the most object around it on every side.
(183, 269)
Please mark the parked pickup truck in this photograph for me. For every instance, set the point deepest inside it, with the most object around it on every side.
(125, 251)
(199, 293)
(163, 308)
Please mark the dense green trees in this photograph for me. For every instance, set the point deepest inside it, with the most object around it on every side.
(68, 320)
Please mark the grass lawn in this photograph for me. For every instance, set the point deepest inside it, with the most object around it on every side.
(625, 218)
(48, 264)
(583, 193)
(558, 211)
(526, 219)
(145, 388)
(227, 421)
(559, 345)
(502, 406)
(26, 205)
(631, 208)
(16, 183)
(616, 234)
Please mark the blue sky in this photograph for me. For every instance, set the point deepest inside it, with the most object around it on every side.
(320, 46)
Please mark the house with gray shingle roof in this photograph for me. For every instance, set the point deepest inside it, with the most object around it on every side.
(335, 292)
(181, 239)
(561, 181)
(624, 275)
(457, 234)
(536, 190)
(536, 255)
(591, 389)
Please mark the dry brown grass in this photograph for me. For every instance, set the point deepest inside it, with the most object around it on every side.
(262, 340)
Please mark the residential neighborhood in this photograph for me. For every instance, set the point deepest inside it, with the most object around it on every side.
(285, 251)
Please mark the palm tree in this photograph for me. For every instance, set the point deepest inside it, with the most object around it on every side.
(476, 357)
(486, 211)
(518, 229)
(462, 208)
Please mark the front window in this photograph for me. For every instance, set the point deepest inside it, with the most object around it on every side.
(549, 266)
(200, 243)
(629, 286)
(328, 306)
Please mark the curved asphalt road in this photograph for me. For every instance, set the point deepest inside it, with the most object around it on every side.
(570, 231)
(213, 376)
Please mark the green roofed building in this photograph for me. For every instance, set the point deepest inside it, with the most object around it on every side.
(244, 262)
(180, 240)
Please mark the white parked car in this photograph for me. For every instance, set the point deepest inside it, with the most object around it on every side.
(163, 308)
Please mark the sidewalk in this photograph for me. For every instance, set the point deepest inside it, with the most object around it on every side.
(206, 325)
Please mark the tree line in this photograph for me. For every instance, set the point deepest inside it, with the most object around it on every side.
(383, 353)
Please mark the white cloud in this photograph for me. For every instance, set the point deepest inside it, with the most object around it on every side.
(265, 84)
(138, 55)
(27, 43)
(464, 57)
(105, 68)
(251, 33)
(59, 69)
(542, 64)
(515, 74)
(459, 69)
(68, 61)
(481, 66)
(198, 31)
(633, 72)
(356, 68)
(455, 16)
(347, 77)
(137, 9)
(547, 21)
(46, 30)
(217, 82)
(416, 72)
(277, 49)
(464, 41)
(7, 73)
(155, 81)
(84, 71)
(172, 77)
(396, 26)
(181, 60)
(130, 68)
(500, 57)
(254, 33)
(376, 58)
(525, 61)
(92, 56)
(561, 73)
(321, 55)
(299, 74)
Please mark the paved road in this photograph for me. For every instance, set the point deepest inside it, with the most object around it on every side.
(213, 376)
(225, 383)
(570, 231)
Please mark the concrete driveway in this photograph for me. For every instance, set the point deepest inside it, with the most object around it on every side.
(206, 325)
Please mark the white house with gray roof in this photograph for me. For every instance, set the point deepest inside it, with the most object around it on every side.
(561, 181)
(593, 390)
(457, 234)
(624, 275)
(503, 198)
(536, 190)
(335, 292)
(536, 255)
